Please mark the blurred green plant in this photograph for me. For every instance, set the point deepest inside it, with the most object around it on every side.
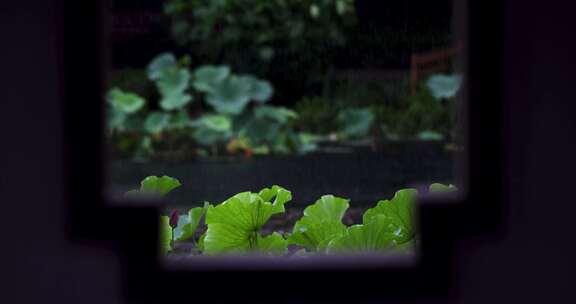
(355, 122)
(140, 126)
(420, 116)
(317, 114)
(382, 108)
(444, 86)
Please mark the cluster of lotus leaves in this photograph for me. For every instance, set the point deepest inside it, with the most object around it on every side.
(233, 226)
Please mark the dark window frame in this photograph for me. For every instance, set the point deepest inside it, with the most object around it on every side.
(129, 228)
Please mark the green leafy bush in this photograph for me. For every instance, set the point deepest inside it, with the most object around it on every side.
(355, 122)
(139, 125)
(419, 116)
(234, 226)
(358, 109)
(317, 114)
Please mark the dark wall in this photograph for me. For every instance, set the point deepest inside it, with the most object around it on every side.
(401, 12)
(415, 17)
(530, 260)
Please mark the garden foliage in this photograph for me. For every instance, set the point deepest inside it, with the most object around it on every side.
(234, 226)
(209, 106)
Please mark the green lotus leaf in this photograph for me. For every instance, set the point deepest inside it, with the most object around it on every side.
(436, 187)
(176, 101)
(246, 211)
(207, 77)
(124, 101)
(211, 129)
(316, 236)
(430, 135)
(260, 131)
(216, 122)
(172, 85)
(173, 81)
(187, 225)
(208, 137)
(160, 185)
(280, 195)
(230, 95)
(159, 64)
(225, 239)
(272, 244)
(321, 223)
(260, 90)
(156, 122)
(444, 86)
(278, 114)
(233, 225)
(375, 235)
(327, 207)
(355, 122)
(399, 212)
(165, 235)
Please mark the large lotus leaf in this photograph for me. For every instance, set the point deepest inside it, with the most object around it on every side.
(246, 211)
(211, 129)
(280, 195)
(328, 207)
(165, 234)
(219, 123)
(375, 235)
(399, 212)
(187, 225)
(355, 122)
(321, 223)
(175, 101)
(229, 96)
(124, 101)
(173, 80)
(208, 137)
(159, 64)
(260, 131)
(316, 236)
(224, 238)
(430, 135)
(444, 86)
(207, 77)
(156, 122)
(260, 90)
(172, 85)
(233, 225)
(271, 244)
(159, 185)
(278, 114)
